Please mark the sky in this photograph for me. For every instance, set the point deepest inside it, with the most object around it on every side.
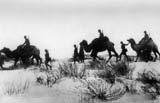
(57, 25)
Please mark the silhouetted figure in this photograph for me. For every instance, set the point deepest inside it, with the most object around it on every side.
(101, 35)
(97, 46)
(47, 59)
(145, 39)
(75, 56)
(150, 47)
(19, 54)
(124, 50)
(81, 53)
(26, 44)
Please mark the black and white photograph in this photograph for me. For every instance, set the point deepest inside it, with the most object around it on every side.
(79, 51)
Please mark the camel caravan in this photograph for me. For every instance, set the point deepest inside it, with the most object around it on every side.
(26, 52)
(143, 49)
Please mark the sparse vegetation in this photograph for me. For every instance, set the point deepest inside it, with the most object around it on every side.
(122, 68)
(72, 70)
(48, 77)
(96, 64)
(110, 72)
(151, 82)
(131, 86)
(100, 89)
(107, 73)
(16, 87)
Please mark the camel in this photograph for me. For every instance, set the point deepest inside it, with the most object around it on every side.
(22, 54)
(149, 47)
(98, 45)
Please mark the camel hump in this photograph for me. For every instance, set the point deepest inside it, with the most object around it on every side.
(111, 44)
(106, 38)
(34, 49)
(145, 41)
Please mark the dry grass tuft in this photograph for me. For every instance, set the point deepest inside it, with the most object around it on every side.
(72, 70)
(151, 81)
(16, 87)
(121, 68)
(99, 89)
(48, 78)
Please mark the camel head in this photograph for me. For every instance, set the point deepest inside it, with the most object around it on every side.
(131, 40)
(5, 50)
(84, 43)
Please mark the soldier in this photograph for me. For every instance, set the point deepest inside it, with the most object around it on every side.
(145, 39)
(124, 50)
(101, 35)
(75, 56)
(47, 59)
(26, 43)
(81, 53)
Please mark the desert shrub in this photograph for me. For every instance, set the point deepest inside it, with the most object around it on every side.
(113, 70)
(100, 89)
(151, 81)
(131, 86)
(121, 68)
(72, 70)
(97, 65)
(107, 74)
(16, 87)
(43, 68)
(48, 78)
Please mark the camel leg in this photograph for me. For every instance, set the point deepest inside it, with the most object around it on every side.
(137, 57)
(116, 54)
(16, 60)
(32, 59)
(94, 55)
(2, 66)
(155, 56)
(37, 59)
(110, 56)
(158, 53)
(40, 60)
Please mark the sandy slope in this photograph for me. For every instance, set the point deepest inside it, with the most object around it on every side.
(66, 91)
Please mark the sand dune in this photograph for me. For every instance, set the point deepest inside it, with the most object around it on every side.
(68, 90)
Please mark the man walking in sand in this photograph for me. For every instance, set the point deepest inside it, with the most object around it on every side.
(47, 59)
(75, 55)
(124, 50)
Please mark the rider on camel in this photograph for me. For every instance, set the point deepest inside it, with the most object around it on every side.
(145, 39)
(101, 35)
(26, 44)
